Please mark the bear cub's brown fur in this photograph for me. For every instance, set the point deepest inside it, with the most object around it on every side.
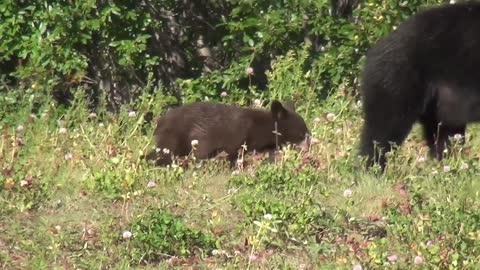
(220, 127)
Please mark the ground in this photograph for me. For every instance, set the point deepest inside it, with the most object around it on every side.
(75, 195)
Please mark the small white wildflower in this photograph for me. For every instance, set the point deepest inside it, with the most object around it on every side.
(257, 102)
(62, 130)
(151, 184)
(453, 1)
(331, 117)
(249, 71)
(430, 244)
(464, 166)
(58, 228)
(20, 128)
(420, 159)
(231, 191)
(347, 193)
(101, 125)
(392, 258)
(236, 172)
(92, 115)
(24, 183)
(166, 151)
(316, 120)
(446, 169)
(216, 252)
(127, 235)
(132, 114)
(33, 116)
(359, 104)
(338, 131)
(268, 216)
(157, 150)
(357, 267)
(194, 142)
(434, 172)
(223, 94)
(458, 137)
(68, 156)
(418, 260)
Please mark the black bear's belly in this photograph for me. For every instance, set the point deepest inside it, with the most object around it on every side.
(458, 105)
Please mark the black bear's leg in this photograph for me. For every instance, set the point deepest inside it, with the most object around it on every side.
(379, 133)
(445, 132)
(437, 134)
(430, 125)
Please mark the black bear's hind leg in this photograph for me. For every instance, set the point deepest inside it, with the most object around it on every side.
(443, 140)
(437, 136)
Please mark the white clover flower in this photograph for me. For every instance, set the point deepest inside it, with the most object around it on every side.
(127, 235)
(392, 258)
(464, 166)
(194, 142)
(151, 184)
(68, 156)
(331, 117)
(420, 159)
(418, 260)
(347, 193)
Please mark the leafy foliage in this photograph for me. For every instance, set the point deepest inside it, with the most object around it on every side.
(160, 234)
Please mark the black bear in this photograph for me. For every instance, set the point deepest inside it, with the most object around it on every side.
(427, 70)
(213, 128)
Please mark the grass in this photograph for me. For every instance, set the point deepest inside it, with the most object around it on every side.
(68, 195)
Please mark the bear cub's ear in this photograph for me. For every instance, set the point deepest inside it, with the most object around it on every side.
(278, 111)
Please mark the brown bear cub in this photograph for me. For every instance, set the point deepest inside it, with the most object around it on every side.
(215, 128)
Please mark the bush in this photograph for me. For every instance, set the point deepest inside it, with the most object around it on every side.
(118, 49)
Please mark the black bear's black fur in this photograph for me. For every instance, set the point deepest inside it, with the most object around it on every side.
(427, 70)
(220, 127)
